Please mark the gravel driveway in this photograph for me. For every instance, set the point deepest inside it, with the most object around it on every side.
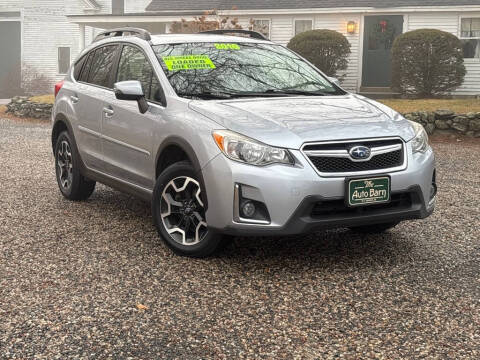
(92, 280)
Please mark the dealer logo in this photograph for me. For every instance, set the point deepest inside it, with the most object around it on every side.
(360, 153)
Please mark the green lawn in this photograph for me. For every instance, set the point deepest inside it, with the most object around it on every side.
(460, 106)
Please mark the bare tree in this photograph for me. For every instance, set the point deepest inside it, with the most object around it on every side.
(34, 82)
(210, 20)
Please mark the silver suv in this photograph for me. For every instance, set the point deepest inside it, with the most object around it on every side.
(234, 135)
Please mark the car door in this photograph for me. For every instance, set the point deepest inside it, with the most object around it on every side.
(127, 134)
(93, 88)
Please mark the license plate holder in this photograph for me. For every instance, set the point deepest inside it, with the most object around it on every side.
(367, 191)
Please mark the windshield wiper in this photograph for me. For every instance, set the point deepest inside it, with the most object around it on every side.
(207, 95)
(226, 95)
(298, 92)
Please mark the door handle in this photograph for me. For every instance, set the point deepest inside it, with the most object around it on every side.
(74, 99)
(108, 112)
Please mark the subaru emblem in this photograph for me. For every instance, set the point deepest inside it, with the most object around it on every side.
(360, 153)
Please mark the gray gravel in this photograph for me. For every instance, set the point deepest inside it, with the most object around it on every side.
(73, 276)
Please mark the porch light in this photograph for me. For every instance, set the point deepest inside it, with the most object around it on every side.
(351, 27)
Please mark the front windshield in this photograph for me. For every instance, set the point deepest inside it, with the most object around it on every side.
(217, 70)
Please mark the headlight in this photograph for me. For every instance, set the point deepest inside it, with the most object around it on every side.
(420, 141)
(241, 148)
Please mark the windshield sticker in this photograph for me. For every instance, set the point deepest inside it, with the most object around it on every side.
(188, 62)
(227, 46)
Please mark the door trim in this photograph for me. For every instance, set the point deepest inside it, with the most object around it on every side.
(112, 140)
(124, 144)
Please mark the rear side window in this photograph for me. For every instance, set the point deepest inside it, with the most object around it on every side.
(102, 65)
(78, 67)
(86, 68)
(135, 66)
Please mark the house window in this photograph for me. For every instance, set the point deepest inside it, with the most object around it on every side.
(262, 26)
(63, 60)
(470, 36)
(302, 26)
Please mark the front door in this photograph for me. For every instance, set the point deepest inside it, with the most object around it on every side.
(379, 33)
(10, 58)
(128, 136)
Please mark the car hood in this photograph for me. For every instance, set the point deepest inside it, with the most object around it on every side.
(291, 121)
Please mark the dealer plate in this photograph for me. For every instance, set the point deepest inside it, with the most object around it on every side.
(368, 191)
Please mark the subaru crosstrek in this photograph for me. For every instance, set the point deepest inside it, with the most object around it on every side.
(234, 135)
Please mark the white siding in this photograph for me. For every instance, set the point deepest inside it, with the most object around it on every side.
(45, 28)
(281, 29)
(136, 6)
(7, 5)
(338, 23)
(450, 22)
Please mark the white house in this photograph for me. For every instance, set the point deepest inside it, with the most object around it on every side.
(38, 42)
(49, 33)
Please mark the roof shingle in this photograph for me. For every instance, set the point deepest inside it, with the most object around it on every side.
(179, 5)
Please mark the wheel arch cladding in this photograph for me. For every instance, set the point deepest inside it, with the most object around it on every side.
(175, 149)
(61, 124)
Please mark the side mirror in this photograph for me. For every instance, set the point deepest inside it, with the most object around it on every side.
(131, 90)
(334, 80)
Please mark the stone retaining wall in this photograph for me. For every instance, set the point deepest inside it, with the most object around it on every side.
(446, 120)
(443, 120)
(21, 106)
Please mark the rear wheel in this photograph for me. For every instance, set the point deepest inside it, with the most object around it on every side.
(374, 229)
(72, 184)
(179, 212)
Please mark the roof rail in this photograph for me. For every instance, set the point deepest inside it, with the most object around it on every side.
(141, 33)
(252, 34)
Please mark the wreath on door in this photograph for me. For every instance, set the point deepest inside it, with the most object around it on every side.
(382, 33)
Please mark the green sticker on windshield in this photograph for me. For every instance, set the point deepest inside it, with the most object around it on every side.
(227, 46)
(188, 62)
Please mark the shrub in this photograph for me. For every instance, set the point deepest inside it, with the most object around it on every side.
(35, 82)
(427, 62)
(326, 49)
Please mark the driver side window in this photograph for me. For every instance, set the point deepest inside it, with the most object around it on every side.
(135, 66)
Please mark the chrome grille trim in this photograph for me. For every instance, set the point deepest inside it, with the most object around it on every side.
(344, 153)
(377, 150)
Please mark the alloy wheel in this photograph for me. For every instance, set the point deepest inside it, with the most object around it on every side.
(65, 165)
(183, 212)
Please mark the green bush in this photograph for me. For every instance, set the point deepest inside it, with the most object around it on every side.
(326, 49)
(427, 62)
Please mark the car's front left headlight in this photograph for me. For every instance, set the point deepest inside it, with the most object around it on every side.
(420, 141)
(241, 148)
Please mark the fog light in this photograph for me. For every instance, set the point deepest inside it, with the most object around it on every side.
(248, 209)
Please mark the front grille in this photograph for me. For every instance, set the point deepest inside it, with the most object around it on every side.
(334, 208)
(382, 161)
(339, 160)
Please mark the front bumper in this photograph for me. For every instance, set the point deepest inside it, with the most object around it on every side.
(293, 194)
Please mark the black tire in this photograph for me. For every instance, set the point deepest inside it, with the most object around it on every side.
(207, 243)
(374, 229)
(73, 186)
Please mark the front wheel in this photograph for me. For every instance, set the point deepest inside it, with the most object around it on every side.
(179, 212)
